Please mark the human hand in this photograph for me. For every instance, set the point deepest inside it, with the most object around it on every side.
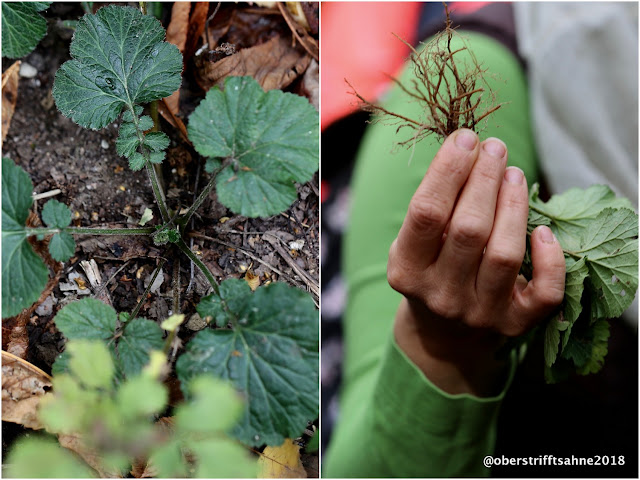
(456, 261)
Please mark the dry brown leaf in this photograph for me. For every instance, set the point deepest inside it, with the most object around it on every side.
(10, 79)
(23, 386)
(197, 21)
(252, 279)
(281, 462)
(91, 457)
(311, 84)
(177, 32)
(274, 64)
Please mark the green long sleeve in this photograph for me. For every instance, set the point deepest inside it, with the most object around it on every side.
(393, 422)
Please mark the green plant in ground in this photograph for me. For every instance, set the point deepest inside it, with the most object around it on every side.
(258, 145)
(598, 232)
(118, 420)
(22, 27)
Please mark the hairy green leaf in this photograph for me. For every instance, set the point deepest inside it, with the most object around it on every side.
(270, 139)
(233, 292)
(87, 319)
(574, 210)
(24, 274)
(62, 246)
(156, 141)
(56, 214)
(22, 27)
(138, 339)
(271, 356)
(119, 59)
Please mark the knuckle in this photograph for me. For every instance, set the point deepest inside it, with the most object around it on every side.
(428, 213)
(444, 304)
(469, 231)
(503, 261)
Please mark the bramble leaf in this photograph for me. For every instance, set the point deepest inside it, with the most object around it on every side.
(62, 246)
(87, 319)
(233, 293)
(610, 248)
(156, 141)
(271, 356)
(119, 59)
(24, 274)
(573, 210)
(138, 339)
(270, 139)
(56, 214)
(22, 27)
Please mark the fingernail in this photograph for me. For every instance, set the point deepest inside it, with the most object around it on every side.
(466, 139)
(546, 235)
(494, 147)
(514, 175)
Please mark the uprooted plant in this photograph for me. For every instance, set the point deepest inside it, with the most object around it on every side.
(453, 91)
(597, 231)
(257, 146)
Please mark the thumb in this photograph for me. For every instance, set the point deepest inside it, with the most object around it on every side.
(545, 291)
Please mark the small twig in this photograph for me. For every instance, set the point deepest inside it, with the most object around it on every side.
(147, 290)
(50, 193)
(206, 24)
(293, 25)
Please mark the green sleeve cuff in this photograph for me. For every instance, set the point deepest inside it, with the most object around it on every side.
(423, 431)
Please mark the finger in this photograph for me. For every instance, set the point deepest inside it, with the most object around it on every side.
(472, 220)
(545, 291)
(503, 257)
(431, 206)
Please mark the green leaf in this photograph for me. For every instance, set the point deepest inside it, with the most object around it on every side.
(271, 356)
(552, 339)
(87, 319)
(141, 396)
(156, 141)
(43, 457)
(56, 214)
(196, 416)
(138, 339)
(610, 248)
(128, 117)
(222, 458)
(233, 293)
(271, 139)
(136, 161)
(156, 157)
(24, 274)
(588, 347)
(62, 246)
(22, 27)
(168, 460)
(119, 59)
(91, 363)
(128, 141)
(573, 210)
(145, 123)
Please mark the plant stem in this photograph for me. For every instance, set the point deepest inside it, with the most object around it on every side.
(148, 289)
(91, 231)
(157, 192)
(203, 268)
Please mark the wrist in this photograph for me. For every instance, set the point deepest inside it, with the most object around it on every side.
(456, 358)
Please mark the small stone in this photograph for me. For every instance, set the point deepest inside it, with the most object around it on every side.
(104, 144)
(27, 71)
